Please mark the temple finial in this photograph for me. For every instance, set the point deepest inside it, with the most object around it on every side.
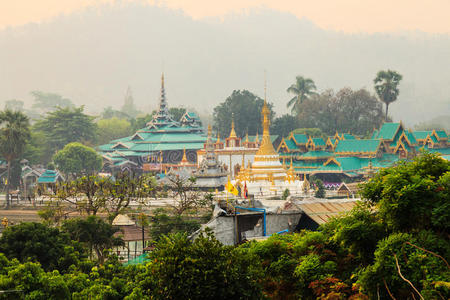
(232, 132)
(209, 131)
(265, 86)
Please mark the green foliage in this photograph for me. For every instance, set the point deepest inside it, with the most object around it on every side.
(284, 125)
(199, 269)
(357, 112)
(386, 86)
(163, 224)
(140, 122)
(413, 195)
(67, 125)
(94, 194)
(14, 136)
(38, 151)
(286, 194)
(320, 189)
(95, 233)
(14, 105)
(109, 113)
(111, 129)
(77, 159)
(358, 232)
(35, 241)
(312, 132)
(177, 112)
(419, 266)
(16, 174)
(303, 89)
(49, 101)
(246, 108)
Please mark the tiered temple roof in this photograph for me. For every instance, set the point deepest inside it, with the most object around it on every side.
(161, 142)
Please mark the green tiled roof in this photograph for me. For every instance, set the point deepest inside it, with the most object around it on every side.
(441, 134)
(446, 157)
(143, 147)
(411, 137)
(387, 131)
(300, 138)
(319, 142)
(421, 135)
(348, 136)
(306, 166)
(324, 154)
(357, 146)
(49, 176)
(290, 145)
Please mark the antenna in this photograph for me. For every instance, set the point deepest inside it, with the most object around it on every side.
(265, 85)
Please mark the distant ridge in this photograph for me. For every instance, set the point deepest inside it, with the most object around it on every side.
(91, 56)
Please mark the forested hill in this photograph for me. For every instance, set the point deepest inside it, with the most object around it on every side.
(93, 55)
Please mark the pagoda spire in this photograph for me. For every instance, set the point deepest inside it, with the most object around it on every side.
(266, 147)
(184, 160)
(232, 132)
(162, 116)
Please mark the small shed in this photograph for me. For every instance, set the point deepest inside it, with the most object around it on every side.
(134, 236)
(348, 189)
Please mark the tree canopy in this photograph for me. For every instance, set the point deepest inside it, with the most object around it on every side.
(284, 125)
(49, 246)
(245, 107)
(77, 159)
(386, 86)
(14, 136)
(66, 125)
(46, 102)
(356, 112)
(111, 129)
(303, 89)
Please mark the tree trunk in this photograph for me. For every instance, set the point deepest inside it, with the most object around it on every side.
(387, 109)
(8, 180)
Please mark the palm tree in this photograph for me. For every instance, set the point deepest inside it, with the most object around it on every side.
(14, 135)
(386, 86)
(303, 88)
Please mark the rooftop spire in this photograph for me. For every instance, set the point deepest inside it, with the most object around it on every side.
(266, 147)
(232, 132)
(162, 116)
(184, 160)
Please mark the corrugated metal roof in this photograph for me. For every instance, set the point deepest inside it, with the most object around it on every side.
(322, 212)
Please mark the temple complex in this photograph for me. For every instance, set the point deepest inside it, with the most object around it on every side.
(346, 156)
(235, 152)
(159, 145)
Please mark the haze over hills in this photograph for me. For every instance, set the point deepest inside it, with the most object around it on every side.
(93, 55)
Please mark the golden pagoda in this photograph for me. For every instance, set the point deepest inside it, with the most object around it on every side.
(267, 175)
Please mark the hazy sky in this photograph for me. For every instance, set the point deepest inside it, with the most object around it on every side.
(344, 15)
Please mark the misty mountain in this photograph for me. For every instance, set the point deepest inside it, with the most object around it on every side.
(93, 55)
